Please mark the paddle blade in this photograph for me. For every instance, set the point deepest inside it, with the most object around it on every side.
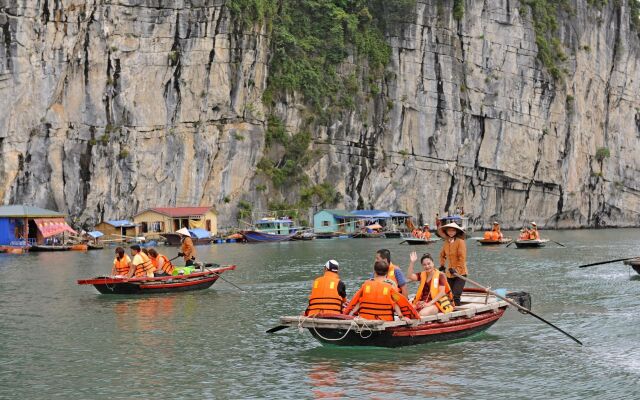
(277, 328)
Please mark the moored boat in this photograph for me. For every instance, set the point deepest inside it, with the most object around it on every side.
(161, 284)
(271, 230)
(367, 235)
(95, 246)
(13, 249)
(529, 243)
(47, 247)
(257, 236)
(479, 310)
(492, 242)
(198, 236)
(79, 247)
(635, 264)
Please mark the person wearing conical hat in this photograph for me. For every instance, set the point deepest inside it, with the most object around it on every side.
(187, 250)
(496, 228)
(426, 235)
(533, 233)
(454, 256)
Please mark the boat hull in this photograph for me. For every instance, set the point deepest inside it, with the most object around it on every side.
(416, 242)
(39, 248)
(365, 235)
(168, 284)
(527, 244)
(258, 237)
(409, 336)
(393, 235)
(490, 242)
(635, 264)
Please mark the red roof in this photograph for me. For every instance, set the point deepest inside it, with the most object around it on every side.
(177, 212)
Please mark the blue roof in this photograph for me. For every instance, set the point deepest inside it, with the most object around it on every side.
(122, 223)
(95, 234)
(277, 221)
(377, 214)
(200, 233)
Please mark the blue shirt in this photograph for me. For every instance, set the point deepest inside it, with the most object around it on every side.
(399, 277)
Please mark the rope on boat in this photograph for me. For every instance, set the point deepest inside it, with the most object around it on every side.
(352, 325)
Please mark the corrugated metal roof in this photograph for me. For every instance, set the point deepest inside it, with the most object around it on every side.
(28, 211)
(177, 212)
(122, 223)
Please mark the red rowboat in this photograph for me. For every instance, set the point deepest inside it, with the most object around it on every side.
(478, 312)
(160, 284)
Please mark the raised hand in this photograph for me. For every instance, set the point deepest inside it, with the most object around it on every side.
(413, 257)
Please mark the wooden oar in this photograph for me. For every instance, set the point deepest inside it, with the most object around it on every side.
(510, 244)
(276, 328)
(226, 280)
(518, 306)
(560, 244)
(404, 241)
(606, 262)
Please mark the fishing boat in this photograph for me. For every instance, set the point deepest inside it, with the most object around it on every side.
(635, 264)
(49, 247)
(492, 242)
(479, 310)
(198, 236)
(160, 284)
(367, 235)
(271, 230)
(528, 243)
(95, 246)
(416, 241)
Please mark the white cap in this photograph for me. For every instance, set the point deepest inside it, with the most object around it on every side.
(332, 265)
(183, 231)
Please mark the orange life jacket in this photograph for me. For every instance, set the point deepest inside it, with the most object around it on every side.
(533, 235)
(444, 303)
(167, 267)
(426, 235)
(391, 275)
(487, 235)
(376, 302)
(417, 234)
(122, 265)
(145, 267)
(324, 297)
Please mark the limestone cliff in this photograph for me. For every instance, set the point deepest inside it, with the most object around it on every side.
(111, 106)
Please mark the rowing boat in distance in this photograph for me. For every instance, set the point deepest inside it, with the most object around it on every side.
(416, 241)
(491, 242)
(478, 312)
(524, 244)
(160, 284)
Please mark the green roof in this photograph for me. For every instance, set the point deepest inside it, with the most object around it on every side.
(27, 212)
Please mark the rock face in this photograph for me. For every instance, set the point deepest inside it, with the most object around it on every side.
(108, 107)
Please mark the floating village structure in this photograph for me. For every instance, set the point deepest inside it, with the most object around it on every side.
(348, 222)
(24, 226)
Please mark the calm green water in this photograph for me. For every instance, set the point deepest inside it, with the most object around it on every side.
(61, 340)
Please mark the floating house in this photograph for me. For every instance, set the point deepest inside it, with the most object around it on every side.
(26, 225)
(120, 227)
(169, 219)
(342, 221)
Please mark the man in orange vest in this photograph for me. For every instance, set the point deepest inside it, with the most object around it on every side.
(395, 273)
(328, 293)
(141, 264)
(378, 299)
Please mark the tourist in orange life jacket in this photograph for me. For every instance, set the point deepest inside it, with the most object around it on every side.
(395, 274)
(328, 293)
(533, 233)
(377, 298)
(496, 228)
(161, 263)
(454, 254)
(434, 294)
(187, 250)
(141, 264)
(426, 235)
(122, 263)
(524, 234)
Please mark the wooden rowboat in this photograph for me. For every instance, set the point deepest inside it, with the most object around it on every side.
(13, 249)
(47, 247)
(635, 264)
(79, 247)
(161, 284)
(477, 313)
(416, 241)
(523, 244)
(491, 242)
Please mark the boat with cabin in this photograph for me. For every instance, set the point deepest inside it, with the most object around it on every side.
(479, 311)
(191, 280)
(271, 230)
